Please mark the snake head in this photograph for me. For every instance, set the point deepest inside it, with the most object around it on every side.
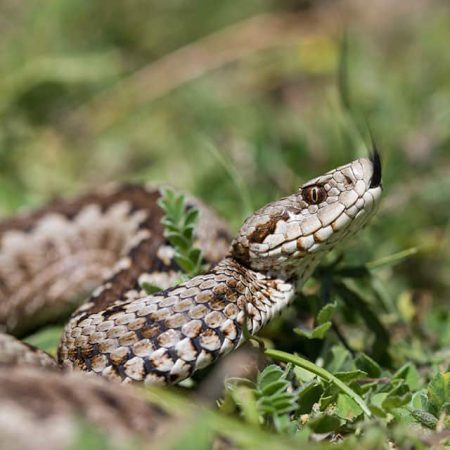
(324, 212)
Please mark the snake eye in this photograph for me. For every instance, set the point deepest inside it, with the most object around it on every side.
(314, 195)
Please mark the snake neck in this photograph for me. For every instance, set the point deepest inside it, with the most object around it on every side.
(172, 334)
(263, 296)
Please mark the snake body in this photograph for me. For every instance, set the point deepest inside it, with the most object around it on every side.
(41, 409)
(50, 257)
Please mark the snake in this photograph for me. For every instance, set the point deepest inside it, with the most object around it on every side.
(111, 241)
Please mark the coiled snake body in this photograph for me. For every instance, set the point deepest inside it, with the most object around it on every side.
(49, 257)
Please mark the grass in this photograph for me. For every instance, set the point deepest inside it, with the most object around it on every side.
(128, 91)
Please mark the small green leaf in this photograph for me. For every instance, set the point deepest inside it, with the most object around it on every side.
(368, 365)
(284, 407)
(269, 375)
(399, 387)
(303, 333)
(188, 233)
(349, 376)
(167, 196)
(309, 395)
(316, 333)
(439, 392)
(320, 331)
(409, 373)
(244, 397)
(302, 375)
(177, 208)
(46, 339)
(347, 408)
(338, 359)
(284, 425)
(195, 255)
(325, 423)
(274, 387)
(191, 217)
(169, 227)
(376, 402)
(150, 288)
(178, 241)
(326, 313)
(184, 263)
(420, 400)
(395, 401)
(325, 401)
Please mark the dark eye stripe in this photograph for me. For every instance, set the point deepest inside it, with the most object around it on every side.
(348, 180)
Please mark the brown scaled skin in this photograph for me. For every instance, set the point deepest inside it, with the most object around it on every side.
(165, 337)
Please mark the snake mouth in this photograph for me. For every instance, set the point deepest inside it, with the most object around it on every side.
(376, 163)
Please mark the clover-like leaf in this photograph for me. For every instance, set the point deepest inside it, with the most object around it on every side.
(326, 313)
(368, 365)
(316, 333)
(347, 408)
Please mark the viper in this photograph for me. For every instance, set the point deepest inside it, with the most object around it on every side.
(113, 238)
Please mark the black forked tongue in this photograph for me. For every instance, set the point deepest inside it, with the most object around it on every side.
(376, 162)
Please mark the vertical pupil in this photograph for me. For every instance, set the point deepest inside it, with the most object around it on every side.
(314, 195)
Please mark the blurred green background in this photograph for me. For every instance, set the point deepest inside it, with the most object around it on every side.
(237, 103)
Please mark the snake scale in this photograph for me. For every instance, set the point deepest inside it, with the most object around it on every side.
(114, 238)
